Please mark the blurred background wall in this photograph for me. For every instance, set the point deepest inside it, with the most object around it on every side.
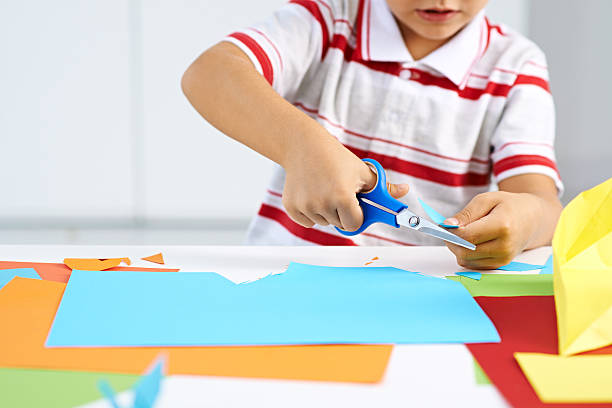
(98, 144)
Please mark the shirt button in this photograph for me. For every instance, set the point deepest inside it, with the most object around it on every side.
(405, 74)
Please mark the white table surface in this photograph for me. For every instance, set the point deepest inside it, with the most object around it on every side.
(417, 375)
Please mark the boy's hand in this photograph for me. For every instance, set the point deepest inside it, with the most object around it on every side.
(322, 180)
(500, 223)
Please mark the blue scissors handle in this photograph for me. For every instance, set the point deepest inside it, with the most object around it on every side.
(379, 195)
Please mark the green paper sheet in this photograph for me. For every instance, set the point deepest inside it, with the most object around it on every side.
(55, 389)
(481, 376)
(507, 285)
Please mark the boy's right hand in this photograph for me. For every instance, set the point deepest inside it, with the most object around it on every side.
(322, 180)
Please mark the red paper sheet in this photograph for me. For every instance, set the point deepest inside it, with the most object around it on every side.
(528, 324)
(59, 272)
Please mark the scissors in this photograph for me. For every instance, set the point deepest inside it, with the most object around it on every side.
(378, 206)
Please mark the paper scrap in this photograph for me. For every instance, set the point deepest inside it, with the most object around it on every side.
(480, 375)
(507, 285)
(28, 307)
(7, 274)
(582, 258)
(146, 389)
(58, 272)
(307, 304)
(90, 264)
(520, 267)
(548, 267)
(54, 389)
(157, 258)
(470, 274)
(586, 379)
(525, 324)
(435, 216)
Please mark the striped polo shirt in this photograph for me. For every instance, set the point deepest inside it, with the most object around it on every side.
(473, 112)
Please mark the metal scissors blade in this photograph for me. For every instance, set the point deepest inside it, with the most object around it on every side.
(410, 220)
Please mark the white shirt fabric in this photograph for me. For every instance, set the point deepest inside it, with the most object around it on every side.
(471, 113)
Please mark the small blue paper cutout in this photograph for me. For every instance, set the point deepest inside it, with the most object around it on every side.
(470, 274)
(435, 216)
(6, 275)
(519, 267)
(548, 266)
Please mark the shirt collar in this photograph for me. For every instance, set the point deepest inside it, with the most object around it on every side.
(381, 40)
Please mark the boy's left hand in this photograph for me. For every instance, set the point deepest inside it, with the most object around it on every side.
(501, 225)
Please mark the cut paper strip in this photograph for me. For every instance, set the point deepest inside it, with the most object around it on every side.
(58, 272)
(507, 285)
(157, 258)
(7, 274)
(480, 375)
(548, 267)
(586, 379)
(54, 389)
(307, 304)
(145, 391)
(520, 267)
(582, 257)
(90, 264)
(525, 324)
(435, 216)
(27, 309)
(469, 274)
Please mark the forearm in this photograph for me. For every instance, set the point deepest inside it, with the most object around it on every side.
(224, 87)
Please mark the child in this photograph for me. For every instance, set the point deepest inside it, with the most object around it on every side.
(439, 95)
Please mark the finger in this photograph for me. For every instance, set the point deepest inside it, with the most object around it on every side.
(477, 208)
(487, 228)
(351, 216)
(317, 219)
(397, 190)
(332, 217)
(301, 219)
(489, 249)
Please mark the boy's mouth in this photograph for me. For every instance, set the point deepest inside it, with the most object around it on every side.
(436, 15)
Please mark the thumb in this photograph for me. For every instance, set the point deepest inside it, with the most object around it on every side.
(480, 206)
(397, 190)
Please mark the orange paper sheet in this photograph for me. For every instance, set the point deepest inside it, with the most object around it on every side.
(92, 264)
(28, 306)
(59, 272)
(157, 258)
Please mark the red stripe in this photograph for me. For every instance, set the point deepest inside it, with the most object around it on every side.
(494, 27)
(536, 64)
(313, 9)
(527, 143)
(272, 44)
(307, 234)
(369, 17)
(532, 80)
(522, 160)
(274, 193)
(350, 132)
(424, 172)
(259, 53)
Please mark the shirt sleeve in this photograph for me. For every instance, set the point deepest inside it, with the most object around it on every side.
(523, 141)
(285, 46)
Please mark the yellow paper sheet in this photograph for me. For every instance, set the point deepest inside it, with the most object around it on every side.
(582, 279)
(576, 379)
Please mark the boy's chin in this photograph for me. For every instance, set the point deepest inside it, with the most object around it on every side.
(437, 32)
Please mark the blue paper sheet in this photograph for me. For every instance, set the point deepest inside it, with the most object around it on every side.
(435, 216)
(470, 274)
(519, 267)
(6, 275)
(548, 266)
(305, 305)
(145, 390)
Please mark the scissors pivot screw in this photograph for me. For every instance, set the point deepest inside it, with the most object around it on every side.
(414, 221)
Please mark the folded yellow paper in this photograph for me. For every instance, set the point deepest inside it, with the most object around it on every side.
(582, 280)
(578, 379)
